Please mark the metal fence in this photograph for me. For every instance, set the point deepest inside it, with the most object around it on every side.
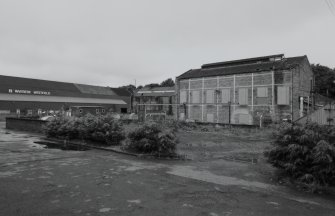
(156, 112)
(322, 116)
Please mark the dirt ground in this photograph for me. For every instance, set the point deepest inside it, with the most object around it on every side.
(38, 181)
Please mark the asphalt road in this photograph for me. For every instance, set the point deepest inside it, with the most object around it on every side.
(37, 181)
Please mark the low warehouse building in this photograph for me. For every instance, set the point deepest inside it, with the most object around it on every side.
(246, 91)
(33, 97)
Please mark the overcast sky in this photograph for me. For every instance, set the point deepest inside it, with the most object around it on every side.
(114, 42)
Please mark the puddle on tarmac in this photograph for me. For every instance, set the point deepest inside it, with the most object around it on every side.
(65, 147)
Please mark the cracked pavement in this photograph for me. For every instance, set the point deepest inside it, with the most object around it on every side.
(38, 181)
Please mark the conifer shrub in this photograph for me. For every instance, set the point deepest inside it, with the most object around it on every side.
(153, 139)
(305, 153)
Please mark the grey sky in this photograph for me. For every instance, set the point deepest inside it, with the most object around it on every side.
(109, 42)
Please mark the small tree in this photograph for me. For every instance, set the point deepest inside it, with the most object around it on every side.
(167, 83)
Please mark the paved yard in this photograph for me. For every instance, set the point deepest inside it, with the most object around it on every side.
(37, 181)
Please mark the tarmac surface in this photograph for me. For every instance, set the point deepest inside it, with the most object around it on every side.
(38, 181)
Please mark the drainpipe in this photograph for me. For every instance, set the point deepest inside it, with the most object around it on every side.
(292, 94)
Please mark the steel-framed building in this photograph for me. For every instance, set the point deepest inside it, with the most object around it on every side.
(155, 102)
(244, 91)
(24, 96)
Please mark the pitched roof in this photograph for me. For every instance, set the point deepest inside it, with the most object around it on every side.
(121, 91)
(99, 90)
(59, 88)
(251, 65)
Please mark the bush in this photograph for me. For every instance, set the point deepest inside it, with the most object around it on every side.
(305, 153)
(153, 139)
(183, 125)
(62, 128)
(103, 129)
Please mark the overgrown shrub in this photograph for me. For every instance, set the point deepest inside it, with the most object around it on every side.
(305, 153)
(61, 127)
(103, 129)
(153, 139)
(175, 125)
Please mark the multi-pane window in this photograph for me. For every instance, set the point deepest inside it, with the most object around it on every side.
(243, 96)
(183, 96)
(225, 95)
(283, 95)
(209, 96)
(195, 96)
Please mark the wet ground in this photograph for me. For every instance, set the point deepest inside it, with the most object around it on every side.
(39, 181)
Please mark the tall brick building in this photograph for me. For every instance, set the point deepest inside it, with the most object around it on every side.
(243, 91)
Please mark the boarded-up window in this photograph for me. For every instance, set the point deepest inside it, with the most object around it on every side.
(244, 119)
(182, 116)
(225, 95)
(243, 96)
(283, 95)
(183, 96)
(210, 96)
(195, 96)
(210, 117)
(262, 92)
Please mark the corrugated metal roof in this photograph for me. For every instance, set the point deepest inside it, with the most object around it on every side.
(220, 70)
(155, 91)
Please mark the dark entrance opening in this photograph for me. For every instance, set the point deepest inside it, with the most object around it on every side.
(123, 110)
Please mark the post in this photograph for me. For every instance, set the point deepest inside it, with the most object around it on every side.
(229, 108)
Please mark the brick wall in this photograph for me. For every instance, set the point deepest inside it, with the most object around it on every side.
(265, 106)
(30, 125)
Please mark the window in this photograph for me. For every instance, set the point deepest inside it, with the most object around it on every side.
(18, 111)
(210, 96)
(210, 117)
(80, 111)
(283, 95)
(30, 112)
(225, 95)
(262, 92)
(97, 111)
(243, 96)
(124, 110)
(103, 110)
(183, 97)
(195, 96)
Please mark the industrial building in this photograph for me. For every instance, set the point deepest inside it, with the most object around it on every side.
(34, 97)
(155, 103)
(248, 91)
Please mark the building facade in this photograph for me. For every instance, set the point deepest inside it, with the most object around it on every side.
(270, 88)
(33, 97)
(155, 103)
